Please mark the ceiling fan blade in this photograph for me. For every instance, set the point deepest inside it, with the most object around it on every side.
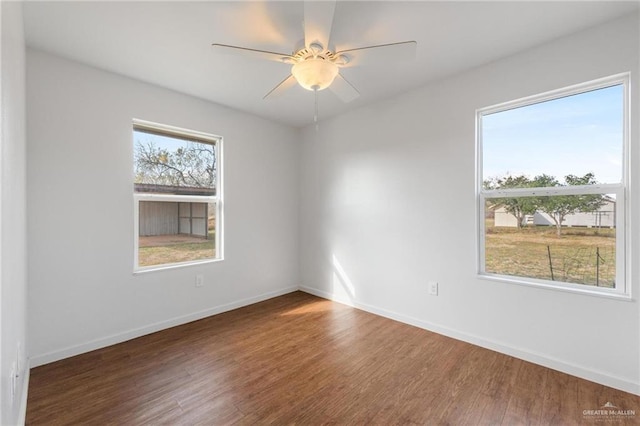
(282, 87)
(318, 19)
(380, 54)
(253, 53)
(343, 89)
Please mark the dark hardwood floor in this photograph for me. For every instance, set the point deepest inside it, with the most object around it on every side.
(299, 359)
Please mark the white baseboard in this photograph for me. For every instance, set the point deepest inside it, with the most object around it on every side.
(102, 342)
(22, 408)
(526, 355)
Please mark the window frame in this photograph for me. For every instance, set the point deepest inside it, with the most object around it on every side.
(622, 246)
(217, 199)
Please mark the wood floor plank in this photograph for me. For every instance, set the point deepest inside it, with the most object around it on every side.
(299, 359)
(525, 407)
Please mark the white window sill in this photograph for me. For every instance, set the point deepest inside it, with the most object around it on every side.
(164, 267)
(558, 286)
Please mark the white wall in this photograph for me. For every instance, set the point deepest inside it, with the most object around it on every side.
(388, 203)
(82, 292)
(13, 275)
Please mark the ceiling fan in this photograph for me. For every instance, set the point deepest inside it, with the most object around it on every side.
(314, 65)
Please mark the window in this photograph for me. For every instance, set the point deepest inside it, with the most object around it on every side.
(552, 188)
(177, 197)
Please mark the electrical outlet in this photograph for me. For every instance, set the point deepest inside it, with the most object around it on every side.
(433, 288)
(199, 280)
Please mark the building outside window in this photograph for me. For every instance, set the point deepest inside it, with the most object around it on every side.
(177, 196)
(552, 179)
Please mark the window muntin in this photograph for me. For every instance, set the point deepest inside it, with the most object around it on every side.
(177, 201)
(555, 164)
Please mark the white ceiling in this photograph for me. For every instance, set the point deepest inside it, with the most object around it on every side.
(169, 43)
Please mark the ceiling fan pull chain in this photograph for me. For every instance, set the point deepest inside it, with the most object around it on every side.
(315, 115)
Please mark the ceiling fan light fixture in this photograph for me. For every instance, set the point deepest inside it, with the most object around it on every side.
(314, 73)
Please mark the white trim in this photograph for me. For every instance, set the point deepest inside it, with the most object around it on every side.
(558, 286)
(174, 131)
(220, 203)
(181, 133)
(477, 190)
(610, 188)
(166, 266)
(136, 232)
(120, 337)
(139, 197)
(22, 408)
(601, 83)
(622, 245)
(623, 288)
(625, 269)
(520, 353)
(144, 196)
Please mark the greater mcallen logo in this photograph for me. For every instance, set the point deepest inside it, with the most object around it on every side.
(609, 412)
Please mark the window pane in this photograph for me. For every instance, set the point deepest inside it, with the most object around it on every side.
(171, 165)
(568, 238)
(174, 232)
(572, 135)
